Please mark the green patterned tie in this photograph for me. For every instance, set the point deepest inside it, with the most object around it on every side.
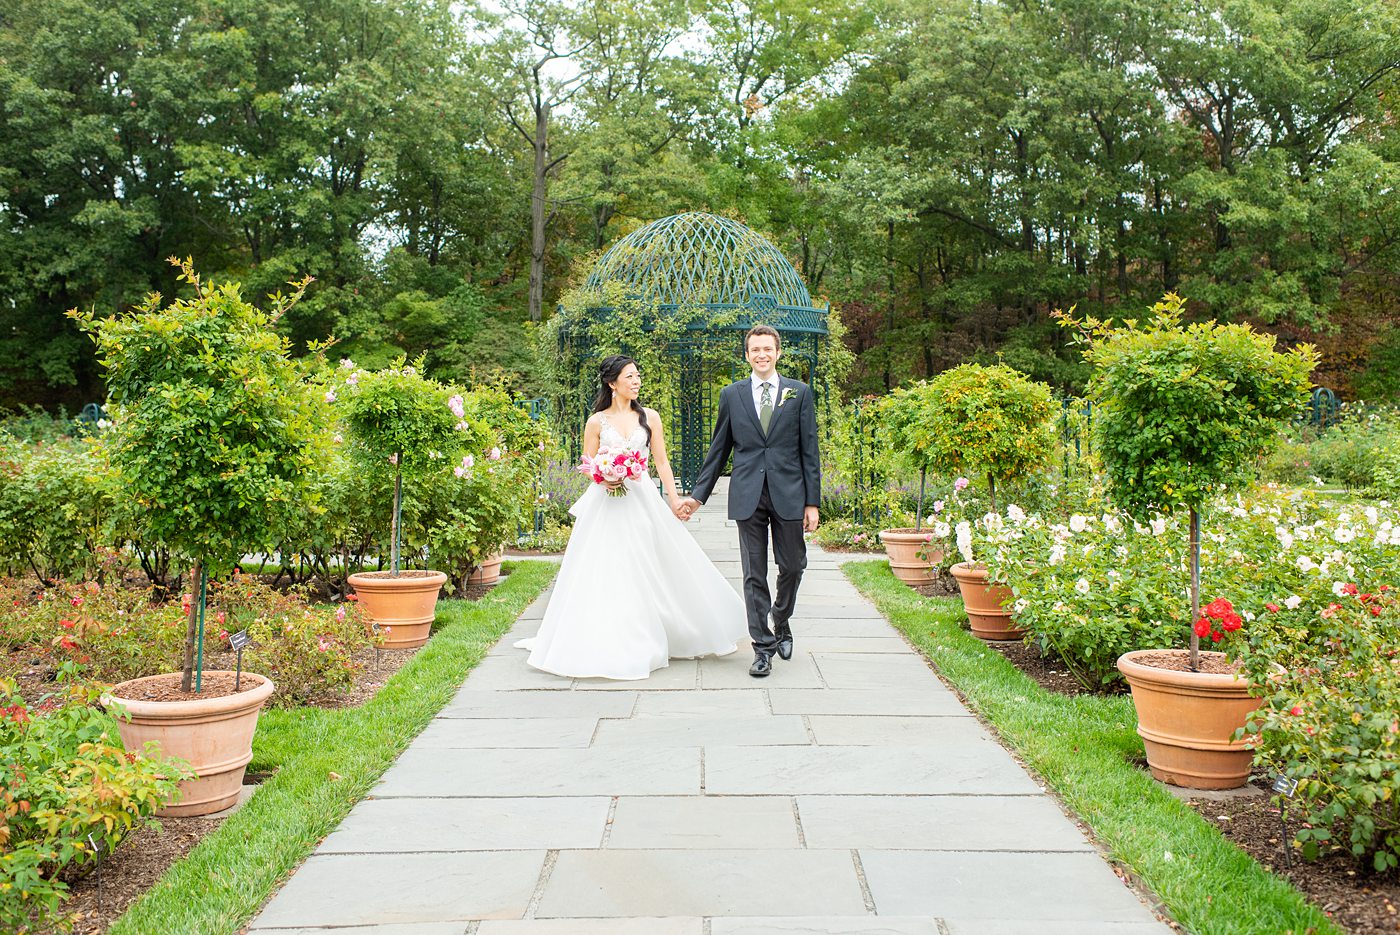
(765, 406)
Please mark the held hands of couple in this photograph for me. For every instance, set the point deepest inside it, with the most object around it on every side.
(685, 509)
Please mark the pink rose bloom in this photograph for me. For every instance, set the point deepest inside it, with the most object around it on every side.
(455, 404)
(330, 396)
(960, 484)
(494, 454)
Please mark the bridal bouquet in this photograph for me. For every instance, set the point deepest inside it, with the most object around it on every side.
(614, 464)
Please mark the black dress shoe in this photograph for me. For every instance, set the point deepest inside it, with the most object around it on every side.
(785, 646)
(761, 666)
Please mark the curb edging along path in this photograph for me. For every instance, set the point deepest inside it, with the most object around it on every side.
(849, 792)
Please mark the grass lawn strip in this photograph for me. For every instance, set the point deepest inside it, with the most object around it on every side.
(326, 761)
(1081, 747)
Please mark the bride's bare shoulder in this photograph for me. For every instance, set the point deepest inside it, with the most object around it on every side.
(652, 414)
(595, 420)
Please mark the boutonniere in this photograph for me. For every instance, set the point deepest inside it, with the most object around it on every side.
(788, 393)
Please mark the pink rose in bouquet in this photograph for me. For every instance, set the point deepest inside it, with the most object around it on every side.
(612, 466)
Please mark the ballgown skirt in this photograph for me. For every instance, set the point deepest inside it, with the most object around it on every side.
(634, 590)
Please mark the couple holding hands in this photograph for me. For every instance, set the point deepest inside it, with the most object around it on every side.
(634, 589)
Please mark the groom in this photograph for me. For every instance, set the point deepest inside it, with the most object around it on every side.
(770, 424)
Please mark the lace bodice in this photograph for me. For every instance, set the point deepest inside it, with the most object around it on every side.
(609, 437)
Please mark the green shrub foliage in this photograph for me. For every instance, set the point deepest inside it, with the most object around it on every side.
(64, 777)
(216, 431)
(990, 421)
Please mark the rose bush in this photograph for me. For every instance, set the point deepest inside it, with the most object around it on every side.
(1331, 718)
(65, 783)
(1100, 583)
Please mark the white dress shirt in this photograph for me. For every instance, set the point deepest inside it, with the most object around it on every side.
(756, 384)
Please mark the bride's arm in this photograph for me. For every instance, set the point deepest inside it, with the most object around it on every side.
(590, 436)
(659, 459)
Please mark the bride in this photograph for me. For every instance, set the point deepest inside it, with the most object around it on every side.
(634, 589)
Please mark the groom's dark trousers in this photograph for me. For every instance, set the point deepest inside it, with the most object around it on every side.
(790, 551)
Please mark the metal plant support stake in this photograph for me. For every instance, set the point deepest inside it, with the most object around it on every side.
(199, 633)
(1195, 588)
(919, 513)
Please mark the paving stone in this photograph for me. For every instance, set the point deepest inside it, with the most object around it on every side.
(845, 609)
(468, 773)
(837, 730)
(507, 673)
(863, 670)
(939, 822)
(449, 824)
(983, 768)
(594, 927)
(748, 701)
(679, 675)
(533, 704)
(1044, 927)
(461, 733)
(710, 821)
(380, 889)
(971, 886)
(703, 731)
(820, 624)
(871, 925)
(851, 644)
(932, 701)
(733, 672)
(608, 883)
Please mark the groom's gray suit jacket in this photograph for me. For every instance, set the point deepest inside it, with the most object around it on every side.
(786, 457)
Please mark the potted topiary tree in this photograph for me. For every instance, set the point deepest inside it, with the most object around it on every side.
(1181, 414)
(991, 421)
(215, 436)
(402, 425)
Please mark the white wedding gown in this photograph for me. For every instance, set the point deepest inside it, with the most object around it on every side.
(634, 589)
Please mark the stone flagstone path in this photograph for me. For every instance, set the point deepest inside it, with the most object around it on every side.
(849, 793)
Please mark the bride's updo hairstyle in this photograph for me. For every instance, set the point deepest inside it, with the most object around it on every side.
(608, 372)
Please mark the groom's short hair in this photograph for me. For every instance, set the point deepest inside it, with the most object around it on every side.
(767, 330)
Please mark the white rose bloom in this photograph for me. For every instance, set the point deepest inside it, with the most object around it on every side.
(1372, 515)
(1078, 523)
(964, 533)
(1395, 536)
(1302, 532)
(1292, 602)
(1239, 513)
(1015, 513)
(1057, 554)
(1305, 564)
(1344, 534)
(941, 529)
(1324, 568)
(1285, 539)
(1111, 523)
(1344, 517)
(1082, 585)
(1020, 606)
(1159, 526)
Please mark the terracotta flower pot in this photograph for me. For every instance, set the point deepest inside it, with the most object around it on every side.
(403, 607)
(1187, 721)
(983, 600)
(488, 572)
(902, 546)
(213, 735)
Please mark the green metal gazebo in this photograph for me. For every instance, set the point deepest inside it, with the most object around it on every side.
(736, 279)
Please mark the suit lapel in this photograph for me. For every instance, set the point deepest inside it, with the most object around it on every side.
(744, 390)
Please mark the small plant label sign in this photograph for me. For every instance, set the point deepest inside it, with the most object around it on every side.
(237, 641)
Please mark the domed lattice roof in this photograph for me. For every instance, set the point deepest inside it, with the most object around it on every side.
(703, 259)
